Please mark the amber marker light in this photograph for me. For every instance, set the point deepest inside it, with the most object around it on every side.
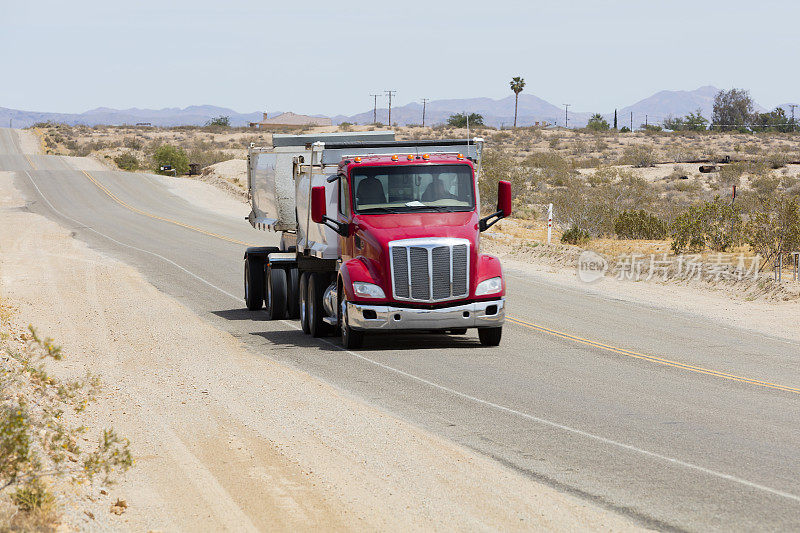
(357, 159)
(426, 157)
(395, 158)
(410, 157)
(460, 156)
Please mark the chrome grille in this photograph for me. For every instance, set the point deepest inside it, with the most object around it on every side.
(430, 270)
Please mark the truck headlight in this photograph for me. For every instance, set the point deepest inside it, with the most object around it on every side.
(367, 290)
(489, 286)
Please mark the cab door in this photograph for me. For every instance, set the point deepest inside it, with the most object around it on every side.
(344, 216)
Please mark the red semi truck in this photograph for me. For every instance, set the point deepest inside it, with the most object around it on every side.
(377, 235)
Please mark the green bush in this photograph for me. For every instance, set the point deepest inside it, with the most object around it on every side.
(459, 120)
(639, 225)
(774, 226)
(166, 154)
(575, 236)
(716, 224)
(624, 129)
(127, 161)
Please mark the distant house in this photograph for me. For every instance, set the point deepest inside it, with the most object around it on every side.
(291, 119)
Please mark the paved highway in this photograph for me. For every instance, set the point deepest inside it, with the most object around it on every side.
(669, 418)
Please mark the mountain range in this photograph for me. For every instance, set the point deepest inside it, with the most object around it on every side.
(495, 112)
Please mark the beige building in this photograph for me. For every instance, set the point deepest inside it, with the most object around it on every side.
(291, 119)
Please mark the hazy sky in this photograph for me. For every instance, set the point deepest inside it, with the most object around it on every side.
(327, 57)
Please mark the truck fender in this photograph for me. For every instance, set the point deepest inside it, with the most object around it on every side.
(489, 267)
(262, 251)
(355, 270)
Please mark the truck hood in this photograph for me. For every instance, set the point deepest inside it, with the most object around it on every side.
(391, 227)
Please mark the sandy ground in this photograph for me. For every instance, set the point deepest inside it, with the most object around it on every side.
(227, 439)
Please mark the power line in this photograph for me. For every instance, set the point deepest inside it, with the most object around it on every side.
(424, 103)
(390, 93)
(375, 109)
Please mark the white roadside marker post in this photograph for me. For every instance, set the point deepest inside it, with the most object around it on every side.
(549, 223)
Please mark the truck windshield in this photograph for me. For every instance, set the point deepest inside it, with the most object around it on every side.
(407, 188)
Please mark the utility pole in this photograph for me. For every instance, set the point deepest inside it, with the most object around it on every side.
(566, 115)
(631, 121)
(375, 109)
(390, 93)
(792, 106)
(424, 103)
(645, 121)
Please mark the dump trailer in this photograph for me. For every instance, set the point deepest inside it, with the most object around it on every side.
(377, 235)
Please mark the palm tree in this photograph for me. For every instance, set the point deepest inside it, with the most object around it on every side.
(517, 84)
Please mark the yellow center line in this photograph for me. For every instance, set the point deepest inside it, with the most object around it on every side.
(156, 217)
(31, 162)
(654, 359)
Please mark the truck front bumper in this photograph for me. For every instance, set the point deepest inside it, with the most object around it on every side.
(390, 318)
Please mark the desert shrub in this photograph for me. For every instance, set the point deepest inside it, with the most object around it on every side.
(127, 161)
(166, 154)
(639, 225)
(639, 156)
(765, 185)
(132, 143)
(345, 126)
(777, 160)
(553, 168)
(716, 224)
(499, 165)
(575, 236)
(624, 129)
(774, 226)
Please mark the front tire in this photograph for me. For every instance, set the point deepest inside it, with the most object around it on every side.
(490, 336)
(254, 282)
(352, 339)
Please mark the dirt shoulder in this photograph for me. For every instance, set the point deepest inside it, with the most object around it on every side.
(227, 439)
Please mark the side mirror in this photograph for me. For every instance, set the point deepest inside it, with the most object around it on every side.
(318, 210)
(504, 198)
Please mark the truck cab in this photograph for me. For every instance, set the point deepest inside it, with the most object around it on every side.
(388, 239)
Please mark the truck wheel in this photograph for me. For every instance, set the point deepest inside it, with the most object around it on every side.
(352, 339)
(490, 336)
(293, 294)
(317, 282)
(303, 297)
(276, 293)
(254, 282)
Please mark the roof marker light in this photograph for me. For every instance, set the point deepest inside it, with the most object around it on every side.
(395, 158)
(410, 157)
(460, 156)
(357, 159)
(426, 156)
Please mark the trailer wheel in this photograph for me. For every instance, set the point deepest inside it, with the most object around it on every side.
(352, 339)
(276, 293)
(293, 294)
(490, 336)
(303, 297)
(254, 282)
(317, 282)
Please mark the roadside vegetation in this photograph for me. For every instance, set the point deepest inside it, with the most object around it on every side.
(41, 432)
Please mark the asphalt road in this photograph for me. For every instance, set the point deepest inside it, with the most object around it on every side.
(669, 418)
